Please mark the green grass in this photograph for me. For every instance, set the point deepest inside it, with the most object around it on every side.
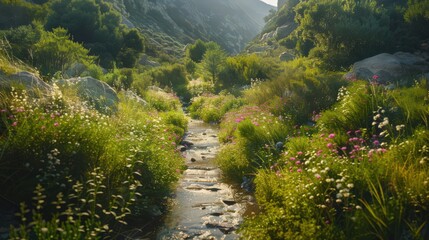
(101, 168)
(361, 173)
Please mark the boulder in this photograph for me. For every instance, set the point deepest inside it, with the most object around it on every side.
(26, 79)
(388, 67)
(285, 56)
(285, 30)
(99, 94)
(133, 96)
(75, 70)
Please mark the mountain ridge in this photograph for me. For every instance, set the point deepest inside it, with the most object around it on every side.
(171, 24)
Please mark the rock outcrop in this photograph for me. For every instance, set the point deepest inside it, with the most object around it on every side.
(97, 93)
(26, 79)
(387, 67)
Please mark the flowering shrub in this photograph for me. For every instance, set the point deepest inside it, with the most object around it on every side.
(360, 173)
(101, 168)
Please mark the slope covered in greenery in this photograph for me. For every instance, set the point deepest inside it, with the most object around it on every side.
(326, 157)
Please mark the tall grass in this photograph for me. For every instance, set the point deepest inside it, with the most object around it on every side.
(101, 168)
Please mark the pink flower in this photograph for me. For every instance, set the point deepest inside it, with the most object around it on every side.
(317, 176)
(292, 158)
(14, 124)
(376, 143)
(298, 162)
(330, 145)
(56, 124)
(375, 77)
(344, 148)
(299, 153)
(299, 170)
(332, 135)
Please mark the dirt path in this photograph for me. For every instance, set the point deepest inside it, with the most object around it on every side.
(205, 207)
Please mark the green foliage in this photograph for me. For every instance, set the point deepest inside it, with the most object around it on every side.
(98, 27)
(162, 101)
(343, 33)
(240, 70)
(15, 13)
(196, 51)
(213, 61)
(417, 14)
(22, 40)
(213, 108)
(56, 52)
(101, 168)
(298, 93)
(168, 76)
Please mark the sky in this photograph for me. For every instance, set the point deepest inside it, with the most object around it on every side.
(271, 2)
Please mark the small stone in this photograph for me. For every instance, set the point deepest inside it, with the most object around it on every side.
(229, 202)
(193, 160)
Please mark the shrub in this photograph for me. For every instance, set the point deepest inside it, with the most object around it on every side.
(101, 168)
(213, 108)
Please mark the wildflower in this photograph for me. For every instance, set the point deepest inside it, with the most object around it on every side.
(317, 176)
(298, 162)
(375, 77)
(329, 145)
(14, 124)
(344, 148)
(332, 135)
(56, 124)
(299, 170)
(376, 142)
(299, 153)
(292, 158)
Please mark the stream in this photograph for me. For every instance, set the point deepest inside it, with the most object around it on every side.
(205, 206)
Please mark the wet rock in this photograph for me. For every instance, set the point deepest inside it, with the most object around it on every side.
(213, 189)
(229, 202)
(224, 228)
(181, 148)
(247, 183)
(187, 143)
(216, 214)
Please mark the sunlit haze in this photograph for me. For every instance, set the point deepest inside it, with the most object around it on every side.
(271, 2)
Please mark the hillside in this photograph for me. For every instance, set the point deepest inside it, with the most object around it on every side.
(171, 24)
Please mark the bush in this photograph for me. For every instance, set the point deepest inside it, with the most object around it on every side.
(100, 168)
(213, 108)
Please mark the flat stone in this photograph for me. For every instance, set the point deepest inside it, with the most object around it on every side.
(229, 202)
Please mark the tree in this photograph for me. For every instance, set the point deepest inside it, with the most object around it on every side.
(342, 32)
(196, 51)
(212, 62)
(55, 52)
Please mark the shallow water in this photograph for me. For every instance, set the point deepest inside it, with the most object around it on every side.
(205, 206)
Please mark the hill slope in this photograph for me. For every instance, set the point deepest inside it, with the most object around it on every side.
(171, 24)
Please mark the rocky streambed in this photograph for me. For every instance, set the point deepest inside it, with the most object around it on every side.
(205, 206)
